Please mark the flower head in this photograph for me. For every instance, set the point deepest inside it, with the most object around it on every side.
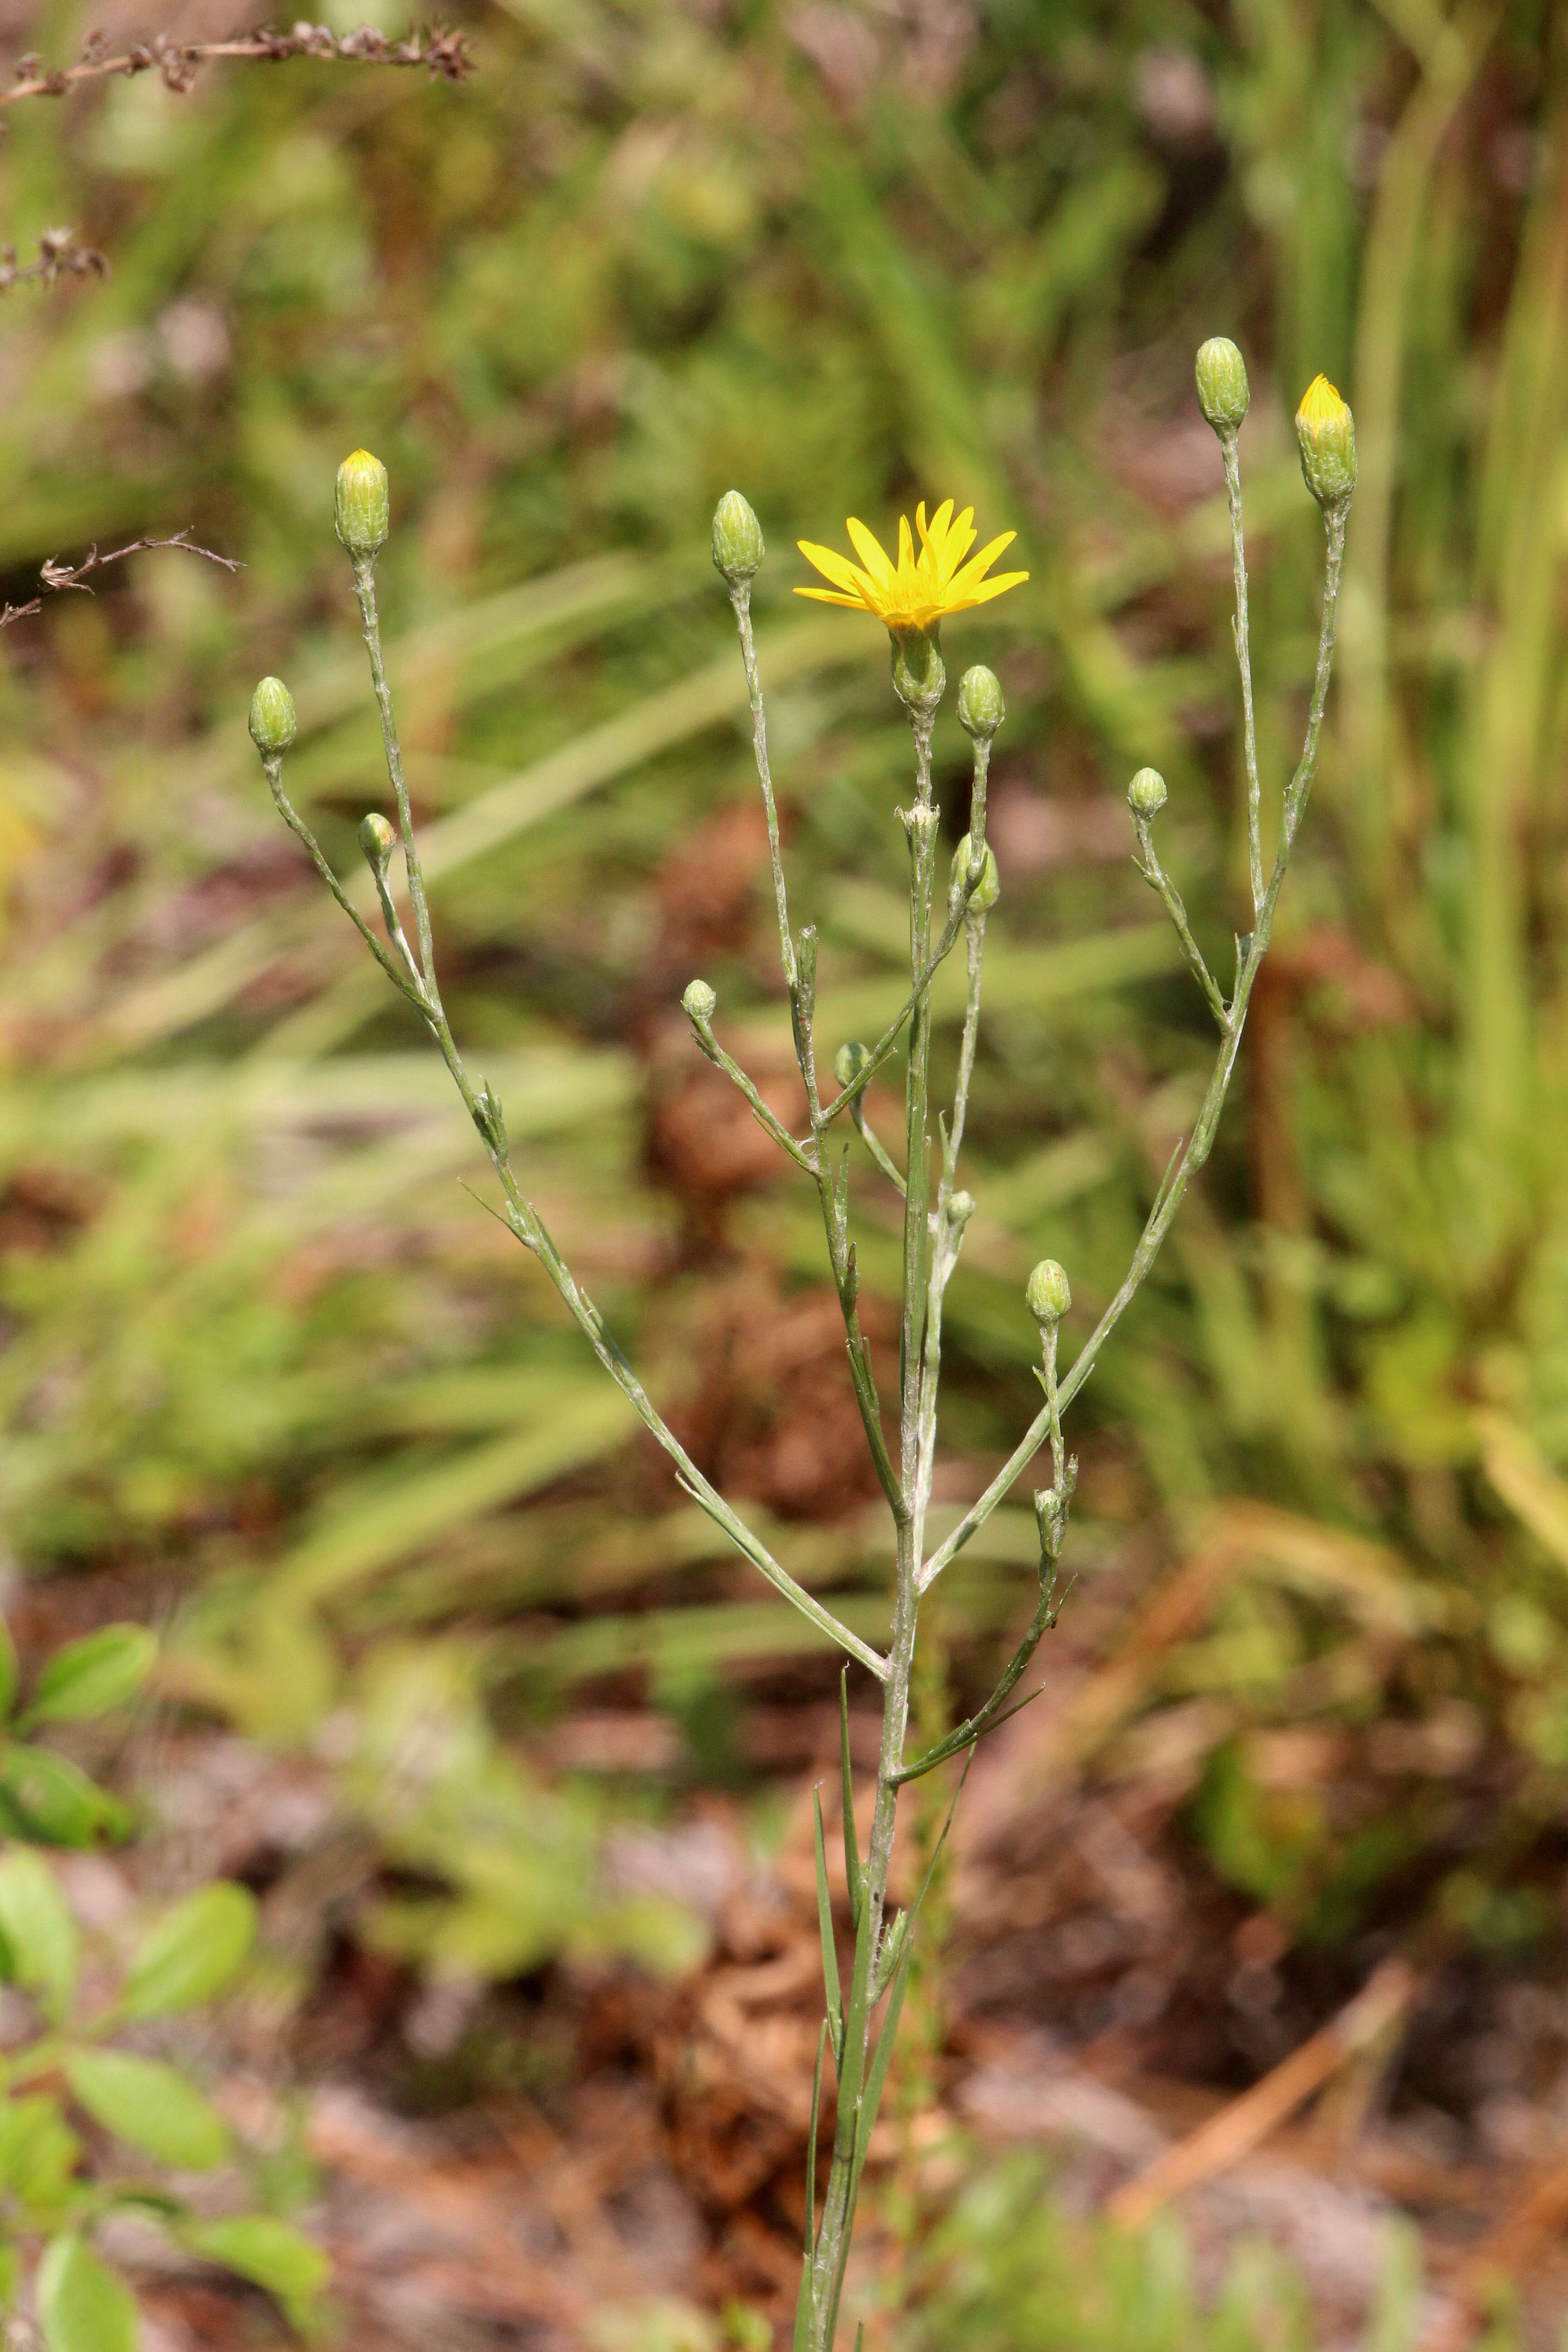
(919, 589)
(1326, 432)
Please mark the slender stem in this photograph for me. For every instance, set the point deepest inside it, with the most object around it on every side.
(888, 1039)
(875, 1146)
(740, 598)
(364, 589)
(1244, 663)
(1148, 863)
(838, 2206)
(408, 981)
(1200, 1140)
(765, 1116)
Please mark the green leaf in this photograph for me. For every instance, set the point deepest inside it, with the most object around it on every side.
(191, 1952)
(38, 2151)
(40, 1935)
(270, 2254)
(150, 2105)
(8, 1670)
(91, 1677)
(45, 1797)
(83, 2307)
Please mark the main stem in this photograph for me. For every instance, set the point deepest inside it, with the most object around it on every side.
(837, 2210)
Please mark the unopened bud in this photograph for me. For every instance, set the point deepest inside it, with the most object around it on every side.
(1326, 431)
(986, 891)
(1048, 1292)
(272, 723)
(377, 842)
(981, 708)
(362, 509)
(850, 1061)
(738, 549)
(1146, 792)
(698, 1002)
(960, 1209)
(1223, 390)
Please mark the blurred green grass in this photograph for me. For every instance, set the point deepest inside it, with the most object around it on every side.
(262, 1354)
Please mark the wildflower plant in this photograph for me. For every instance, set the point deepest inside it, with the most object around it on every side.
(912, 595)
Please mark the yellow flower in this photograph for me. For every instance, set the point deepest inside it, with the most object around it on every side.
(921, 589)
(1320, 404)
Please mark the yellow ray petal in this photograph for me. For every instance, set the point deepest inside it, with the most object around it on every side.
(989, 588)
(868, 548)
(977, 565)
(833, 566)
(830, 596)
(906, 546)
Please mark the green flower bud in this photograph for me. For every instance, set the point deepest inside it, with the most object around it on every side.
(960, 1209)
(1047, 1292)
(698, 1002)
(363, 516)
(850, 1061)
(738, 549)
(986, 891)
(377, 840)
(1326, 431)
(272, 724)
(1223, 390)
(1146, 792)
(981, 708)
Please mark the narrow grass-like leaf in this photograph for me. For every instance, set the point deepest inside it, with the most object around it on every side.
(829, 1947)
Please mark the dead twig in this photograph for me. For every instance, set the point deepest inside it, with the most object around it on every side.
(56, 575)
(59, 256)
(443, 53)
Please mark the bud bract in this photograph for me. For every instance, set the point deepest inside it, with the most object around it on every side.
(738, 549)
(698, 1002)
(1146, 792)
(850, 1061)
(1047, 1292)
(986, 891)
(1326, 431)
(272, 724)
(981, 708)
(362, 510)
(919, 675)
(377, 840)
(1223, 390)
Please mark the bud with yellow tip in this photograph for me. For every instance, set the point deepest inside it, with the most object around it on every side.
(363, 513)
(1326, 431)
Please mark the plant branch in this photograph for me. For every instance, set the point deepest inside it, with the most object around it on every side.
(1227, 442)
(1147, 861)
(1200, 1140)
(443, 54)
